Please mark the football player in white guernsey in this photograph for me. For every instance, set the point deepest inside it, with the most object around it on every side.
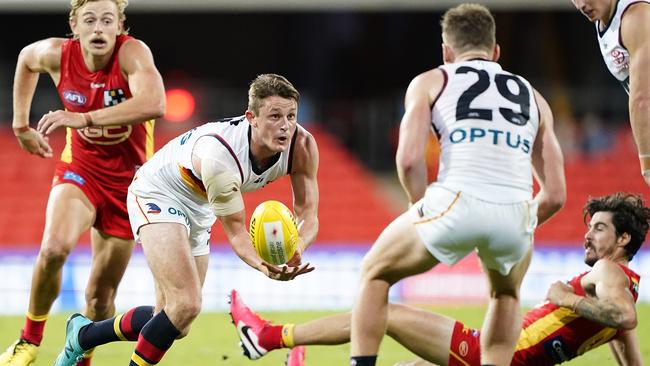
(177, 196)
(495, 133)
(623, 31)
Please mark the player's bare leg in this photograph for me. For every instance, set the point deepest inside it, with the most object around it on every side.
(397, 253)
(501, 329)
(110, 257)
(167, 249)
(69, 213)
(424, 333)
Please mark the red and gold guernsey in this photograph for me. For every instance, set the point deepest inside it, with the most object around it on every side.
(553, 334)
(100, 160)
(106, 152)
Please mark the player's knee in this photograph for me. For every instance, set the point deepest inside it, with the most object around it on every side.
(186, 307)
(53, 256)
(505, 294)
(373, 269)
(101, 306)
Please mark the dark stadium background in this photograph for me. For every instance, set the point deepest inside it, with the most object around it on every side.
(352, 68)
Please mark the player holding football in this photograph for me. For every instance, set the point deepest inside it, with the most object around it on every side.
(623, 31)
(495, 131)
(111, 91)
(175, 199)
(593, 308)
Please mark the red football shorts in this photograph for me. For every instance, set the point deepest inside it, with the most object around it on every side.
(112, 216)
(465, 348)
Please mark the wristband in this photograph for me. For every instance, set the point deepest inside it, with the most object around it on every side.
(89, 120)
(20, 130)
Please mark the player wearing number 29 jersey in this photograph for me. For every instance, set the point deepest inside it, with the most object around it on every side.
(494, 131)
(486, 151)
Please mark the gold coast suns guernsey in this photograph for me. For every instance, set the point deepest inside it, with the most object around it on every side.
(108, 153)
(171, 171)
(553, 334)
(615, 55)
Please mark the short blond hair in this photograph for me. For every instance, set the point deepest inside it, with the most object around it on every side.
(268, 85)
(76, 4)
(469, 27)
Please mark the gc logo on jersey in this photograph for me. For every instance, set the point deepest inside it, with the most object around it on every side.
(74, 97)
(105, 135)
(113, 97)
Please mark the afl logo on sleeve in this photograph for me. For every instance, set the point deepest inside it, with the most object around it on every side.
(74, 97)
(113, 97)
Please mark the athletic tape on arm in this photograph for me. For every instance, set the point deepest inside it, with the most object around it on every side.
(220, 176)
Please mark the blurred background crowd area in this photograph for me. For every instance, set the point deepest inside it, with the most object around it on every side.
(352, 62)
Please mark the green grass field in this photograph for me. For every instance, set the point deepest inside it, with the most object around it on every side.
(213, 341)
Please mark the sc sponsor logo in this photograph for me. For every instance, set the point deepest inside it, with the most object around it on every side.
(74, 97)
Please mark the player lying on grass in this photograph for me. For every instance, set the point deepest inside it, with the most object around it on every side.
(593, 308)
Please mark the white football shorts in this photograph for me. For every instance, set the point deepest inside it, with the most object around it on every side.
(451, 224)
(148, 204)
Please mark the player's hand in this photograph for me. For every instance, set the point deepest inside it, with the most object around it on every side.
(296, 259)
(285, 273)
(35, 143)
(558, 292)
(53, 120)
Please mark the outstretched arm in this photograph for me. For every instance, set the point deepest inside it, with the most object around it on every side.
(305, 187)
(635, 28)
(220, 176)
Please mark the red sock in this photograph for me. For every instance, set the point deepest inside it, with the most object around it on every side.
(84, 362)
(271, 337)
(33, 330)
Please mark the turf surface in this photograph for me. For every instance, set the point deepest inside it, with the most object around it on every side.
(213, 341)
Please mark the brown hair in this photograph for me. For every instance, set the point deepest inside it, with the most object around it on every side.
(121, 5)
(467, 27)
(629, 215)
(268, 85)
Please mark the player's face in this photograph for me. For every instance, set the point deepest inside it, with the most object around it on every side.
(600, 240)
(594, 9)
(97, 25)
(275, 123)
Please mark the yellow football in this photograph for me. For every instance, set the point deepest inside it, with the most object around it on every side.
(273, 232)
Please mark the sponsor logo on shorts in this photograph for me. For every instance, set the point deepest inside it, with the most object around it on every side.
(74, 97)
(177, 212)
(70, 175)
(153, 208)
(463, 348)
(557, 350)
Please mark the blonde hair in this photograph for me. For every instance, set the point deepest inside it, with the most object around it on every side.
(268, 85)
(468, 27)
(121, 5)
